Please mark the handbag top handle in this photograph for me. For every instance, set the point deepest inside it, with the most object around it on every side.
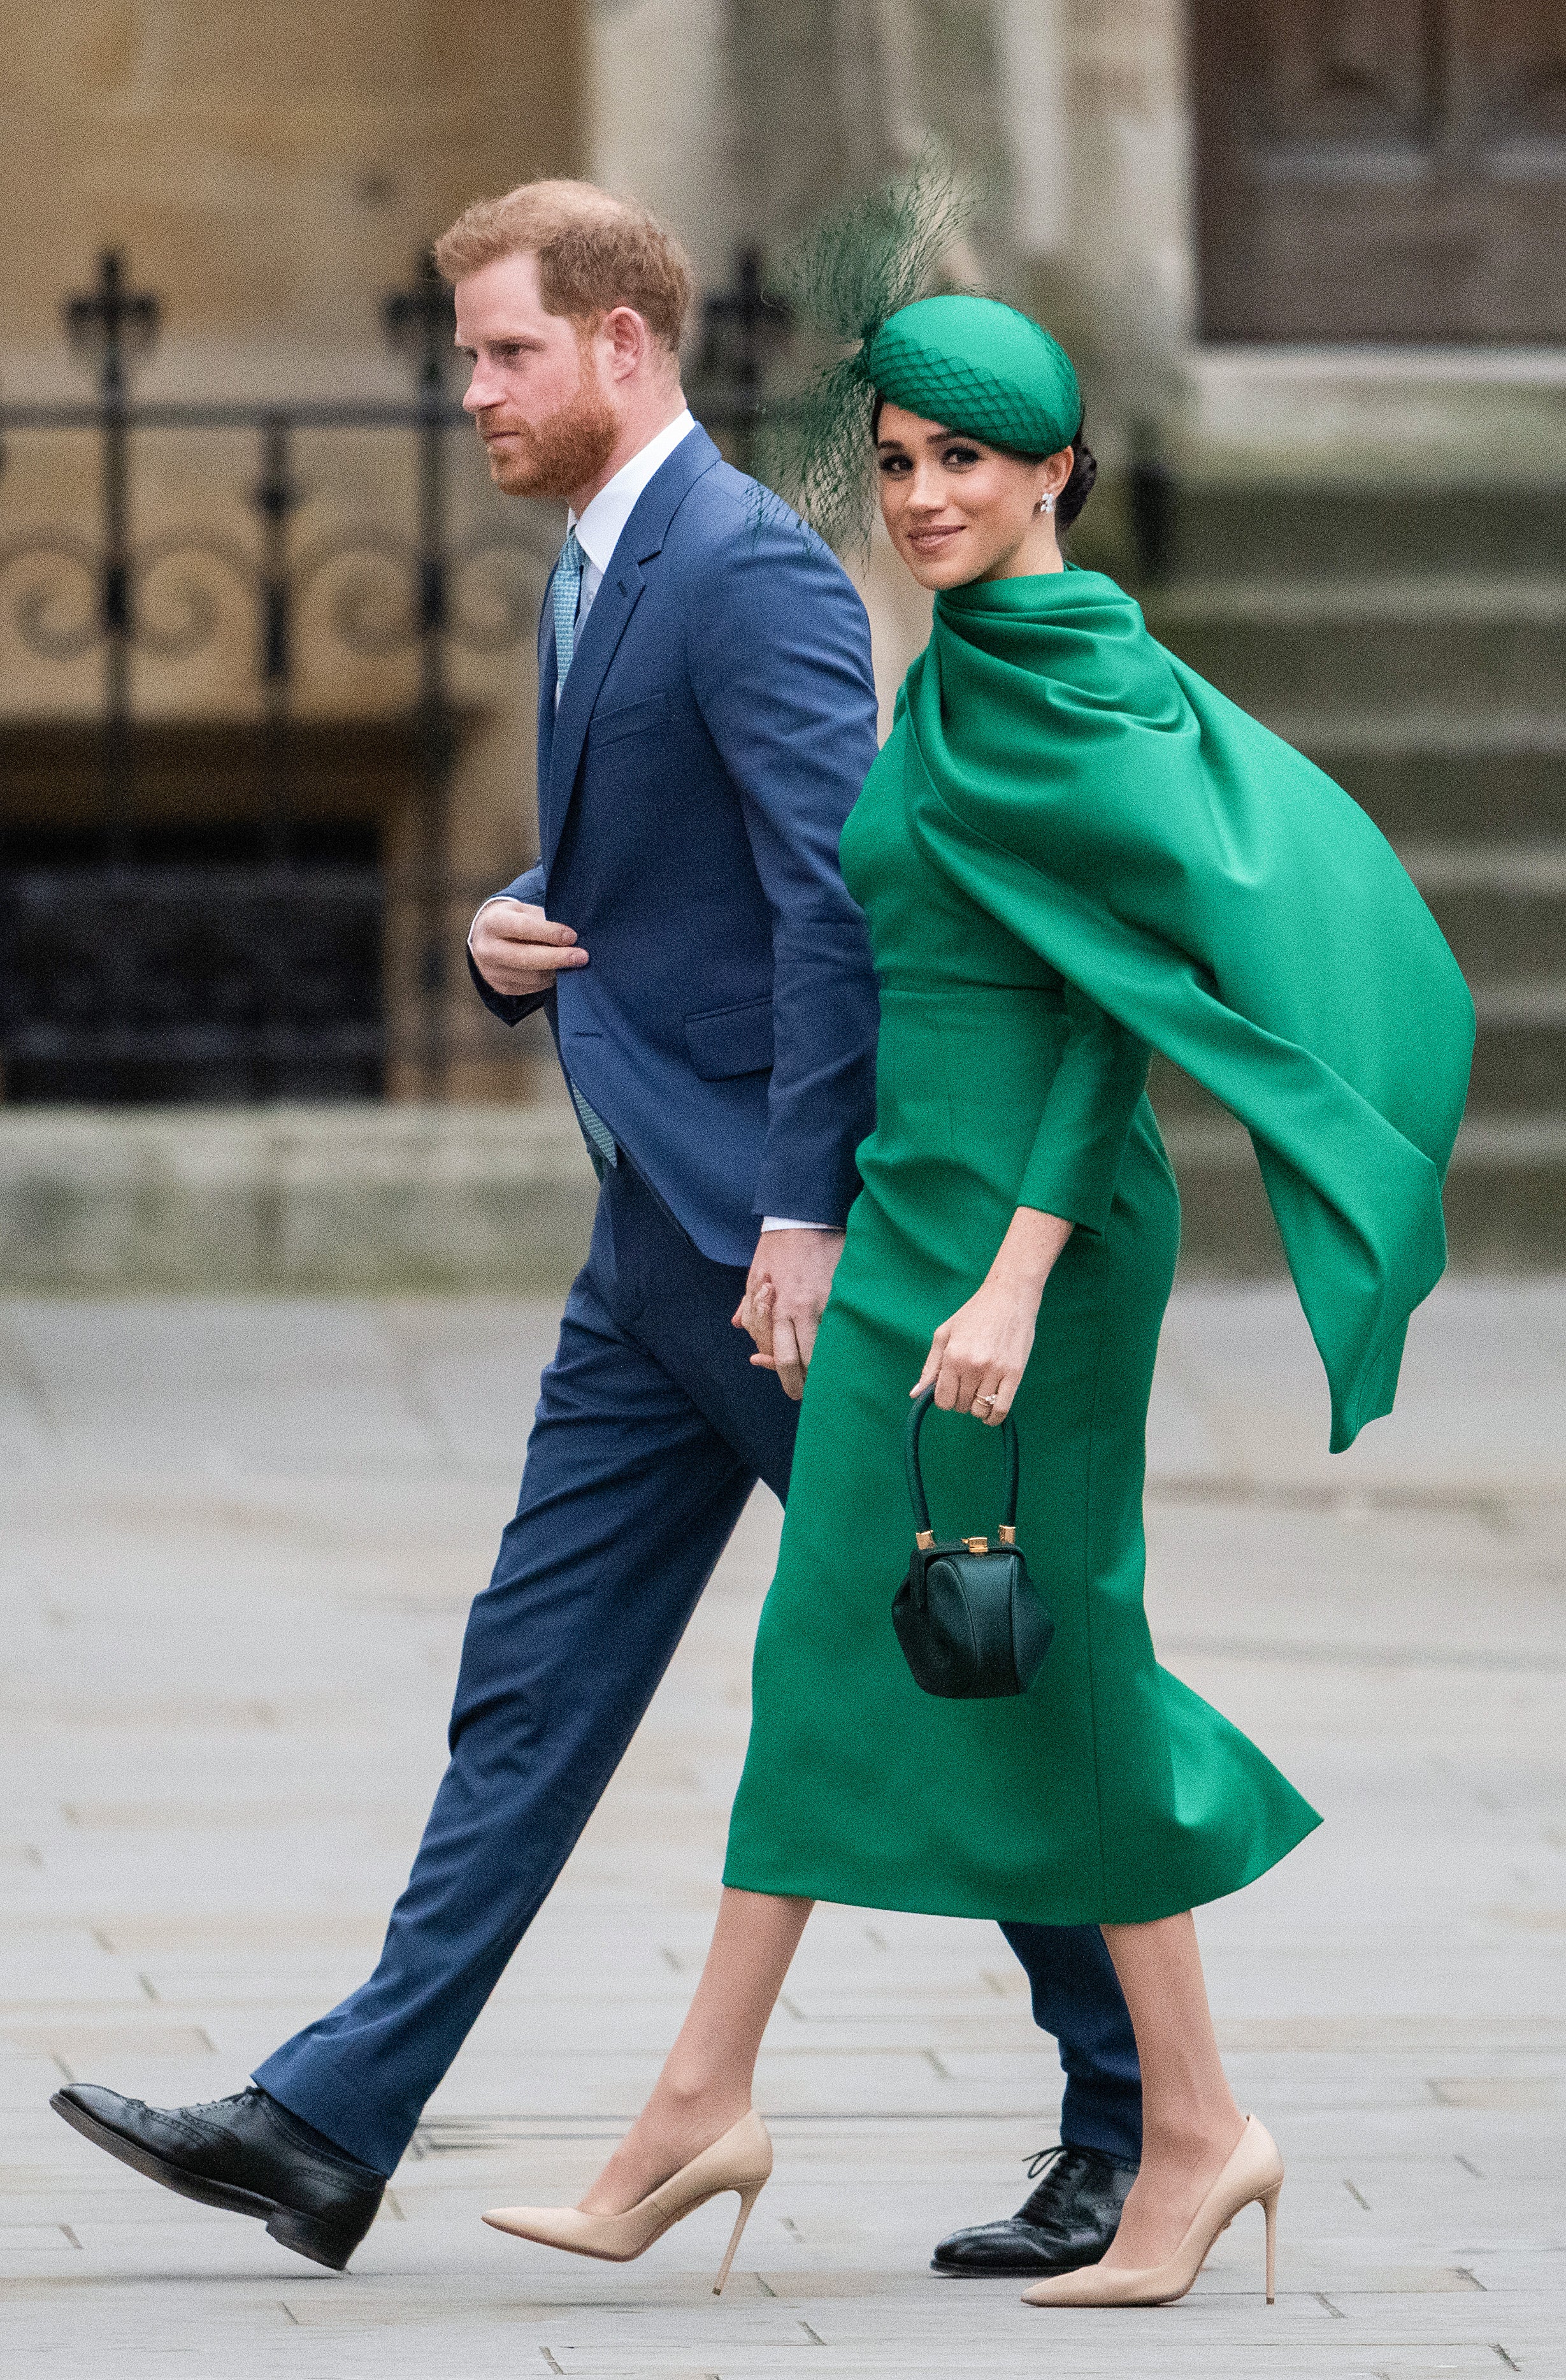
(921, 1405)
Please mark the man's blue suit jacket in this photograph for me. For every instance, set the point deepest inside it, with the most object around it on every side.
(716, 724)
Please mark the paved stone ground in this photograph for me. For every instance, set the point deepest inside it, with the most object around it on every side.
(239, 1537)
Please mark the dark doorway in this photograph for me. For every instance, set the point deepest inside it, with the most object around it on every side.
(194, 966)
(1381, 170)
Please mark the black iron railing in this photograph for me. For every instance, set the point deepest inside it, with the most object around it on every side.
(241, 951)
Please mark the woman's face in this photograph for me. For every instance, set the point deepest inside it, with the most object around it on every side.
(958, 510)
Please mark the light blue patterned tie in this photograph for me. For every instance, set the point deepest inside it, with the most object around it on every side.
(567, 594)
(595, 1132)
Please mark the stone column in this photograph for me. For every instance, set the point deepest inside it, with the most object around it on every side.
(1103, 216)
(662, 119)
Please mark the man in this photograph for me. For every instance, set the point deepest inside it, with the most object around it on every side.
(706, 718)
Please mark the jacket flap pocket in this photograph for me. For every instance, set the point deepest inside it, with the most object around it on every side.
(726, 1041)
(628, 718)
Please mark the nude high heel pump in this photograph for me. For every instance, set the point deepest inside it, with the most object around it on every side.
(1254, 2172)
(740, 2160)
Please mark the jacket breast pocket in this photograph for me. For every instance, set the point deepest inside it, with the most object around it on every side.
(725, 1041)
(627, 719)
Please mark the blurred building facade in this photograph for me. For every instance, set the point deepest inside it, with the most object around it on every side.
(1311, 261)
(319, 638)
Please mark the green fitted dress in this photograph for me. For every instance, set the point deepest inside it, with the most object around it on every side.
(1071, 851)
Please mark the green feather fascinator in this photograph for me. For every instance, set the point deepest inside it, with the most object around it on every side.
(858, 266)
(971, 362)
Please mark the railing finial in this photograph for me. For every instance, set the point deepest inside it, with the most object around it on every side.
(420, 320)
(113, 325)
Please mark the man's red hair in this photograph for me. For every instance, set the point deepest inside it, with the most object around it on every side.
(594, 251)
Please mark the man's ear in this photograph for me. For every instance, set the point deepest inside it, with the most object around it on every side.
(628, 339)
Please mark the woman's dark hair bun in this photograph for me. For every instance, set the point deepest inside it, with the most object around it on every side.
(1079, 487)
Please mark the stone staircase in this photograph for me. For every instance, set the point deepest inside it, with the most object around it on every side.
(1413, 644)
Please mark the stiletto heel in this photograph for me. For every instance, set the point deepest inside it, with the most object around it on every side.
(747, 2199)
(1253, 2171)
(741, 2159)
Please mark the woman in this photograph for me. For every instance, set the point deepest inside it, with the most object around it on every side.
(1070, 851)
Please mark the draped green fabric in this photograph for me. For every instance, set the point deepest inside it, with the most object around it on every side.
(1224, 900)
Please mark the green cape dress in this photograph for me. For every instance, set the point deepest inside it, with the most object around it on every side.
(1070, 852)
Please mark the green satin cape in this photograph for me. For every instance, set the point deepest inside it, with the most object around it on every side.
(1220, 897)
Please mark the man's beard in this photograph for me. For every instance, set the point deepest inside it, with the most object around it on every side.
(564, 452)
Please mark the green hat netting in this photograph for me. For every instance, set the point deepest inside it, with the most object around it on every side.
(977, 365)
(970, 362)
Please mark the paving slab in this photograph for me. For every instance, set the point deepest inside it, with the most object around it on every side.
(239, 1536)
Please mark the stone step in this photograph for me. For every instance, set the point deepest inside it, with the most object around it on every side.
(472, 1199)
(1219, 529)
(1428, 775)
(1502, 907)
(1412, 642)
(1505, 1210)
(302, 1199)
(1471, 645)
(1519, 1055)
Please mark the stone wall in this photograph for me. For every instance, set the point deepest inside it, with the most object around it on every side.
(269, 167)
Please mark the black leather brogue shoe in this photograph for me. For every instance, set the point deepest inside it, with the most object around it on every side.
(1069, 2221)
(248, 2154)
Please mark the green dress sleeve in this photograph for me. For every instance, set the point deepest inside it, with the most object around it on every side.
(1081, 1133)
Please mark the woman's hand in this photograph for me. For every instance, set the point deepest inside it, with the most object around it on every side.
(786, 1295)
(978, 1358)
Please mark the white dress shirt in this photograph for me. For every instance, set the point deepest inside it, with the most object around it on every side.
(599, 531)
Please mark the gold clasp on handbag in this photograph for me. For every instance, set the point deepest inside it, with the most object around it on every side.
(977, 1545)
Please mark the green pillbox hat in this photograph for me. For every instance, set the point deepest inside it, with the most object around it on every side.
(978, 365)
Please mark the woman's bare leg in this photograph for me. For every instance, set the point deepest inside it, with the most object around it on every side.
(705, 2085)
(1190, 2121)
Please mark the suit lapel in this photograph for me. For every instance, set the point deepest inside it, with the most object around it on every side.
(596, 648)
(640, 541)
(546, 696)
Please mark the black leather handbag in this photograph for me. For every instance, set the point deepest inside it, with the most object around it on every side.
(970, 1621)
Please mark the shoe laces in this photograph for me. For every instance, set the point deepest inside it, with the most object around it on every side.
(1040, 2162)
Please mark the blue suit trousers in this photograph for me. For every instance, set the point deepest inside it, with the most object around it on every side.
(652, 1428)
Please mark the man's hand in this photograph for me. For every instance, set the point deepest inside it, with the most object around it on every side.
(520, 951)
(790, 1282)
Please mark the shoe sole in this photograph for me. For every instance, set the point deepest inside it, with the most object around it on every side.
(285, 2224)
(1011, 2272)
